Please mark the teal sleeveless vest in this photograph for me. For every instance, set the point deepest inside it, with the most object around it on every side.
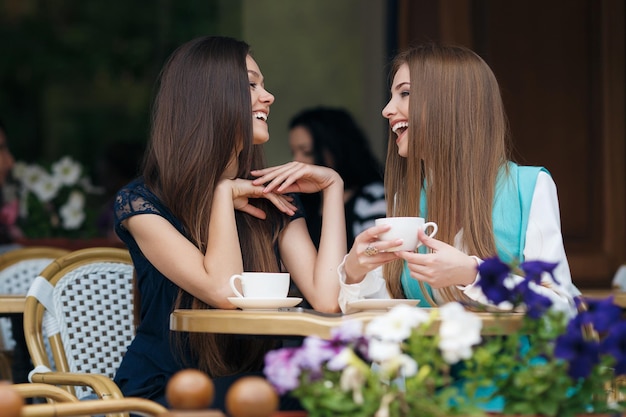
(511, 208)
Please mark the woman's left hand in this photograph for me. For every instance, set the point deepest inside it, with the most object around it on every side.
(296, 177)
(444, 267)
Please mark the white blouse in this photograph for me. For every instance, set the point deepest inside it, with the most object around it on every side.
(543, 242)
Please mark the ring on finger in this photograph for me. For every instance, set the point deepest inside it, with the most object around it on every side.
(370, 250)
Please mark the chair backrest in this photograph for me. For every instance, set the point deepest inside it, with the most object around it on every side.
(83, 302)
(18, 269)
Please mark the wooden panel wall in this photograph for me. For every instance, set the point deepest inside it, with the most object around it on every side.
(561, 69)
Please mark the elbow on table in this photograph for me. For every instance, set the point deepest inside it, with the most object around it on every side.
(326, 306)
(219, 300)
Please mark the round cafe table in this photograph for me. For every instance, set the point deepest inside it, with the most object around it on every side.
(303, 322)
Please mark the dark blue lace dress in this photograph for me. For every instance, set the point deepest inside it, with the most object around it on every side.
(152, 358)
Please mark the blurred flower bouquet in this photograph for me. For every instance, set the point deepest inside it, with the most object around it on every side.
(557, 363)
(54, 203)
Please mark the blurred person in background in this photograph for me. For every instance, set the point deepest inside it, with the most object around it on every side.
(331, 137)
(8, 209)
(20, 362)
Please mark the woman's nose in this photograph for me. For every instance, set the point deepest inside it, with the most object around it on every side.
(388, 110)
(267, 97)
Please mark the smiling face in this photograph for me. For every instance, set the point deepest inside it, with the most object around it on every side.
(261, 102)
(397, 109)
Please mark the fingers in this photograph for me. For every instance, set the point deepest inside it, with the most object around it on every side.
(245, 189)
(429, 242)
(296, 177)
(282, 203)
(280, 177)
(369, 249)
(253, 211)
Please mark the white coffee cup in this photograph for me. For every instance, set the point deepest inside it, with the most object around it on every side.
(261, 284)
(405, 228)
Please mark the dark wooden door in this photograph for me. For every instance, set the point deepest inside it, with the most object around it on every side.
(561, 68)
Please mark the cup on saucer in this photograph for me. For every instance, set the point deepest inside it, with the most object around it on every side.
(260, 284)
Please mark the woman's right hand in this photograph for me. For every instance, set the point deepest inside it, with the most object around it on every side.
(243, 190)
(368, 253)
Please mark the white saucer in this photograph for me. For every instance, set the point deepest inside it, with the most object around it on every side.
(378, 304)
(264, 303)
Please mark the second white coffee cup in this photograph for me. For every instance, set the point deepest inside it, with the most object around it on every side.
(405, 228)
(261, 284)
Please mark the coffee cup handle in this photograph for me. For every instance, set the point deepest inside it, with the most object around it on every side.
(233, 286)
(432, 225)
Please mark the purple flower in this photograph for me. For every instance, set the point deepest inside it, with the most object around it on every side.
(536, 303)
(615, 345)
(600, 313)
(315, 352)
(493, 272)
(581, 354)
(534, 270)
(281, 370)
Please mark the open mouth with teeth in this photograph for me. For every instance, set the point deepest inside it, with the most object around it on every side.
(260, 115)
(399, 128)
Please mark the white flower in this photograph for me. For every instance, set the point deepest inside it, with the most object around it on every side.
(67, 170)
(383, 350)
(72, 213)
(401, 365)
(19, 170)
(344, 358)
(45, 187)
(459, 331)
(396, 325)
(30, 175)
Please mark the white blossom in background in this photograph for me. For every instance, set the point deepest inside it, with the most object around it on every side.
(46, 187)
(53, 202)
(459, 331)
(30, 175)
(73, 212)
(67, 170)
(19, 170)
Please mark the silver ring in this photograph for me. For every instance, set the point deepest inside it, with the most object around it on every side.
(370, 250)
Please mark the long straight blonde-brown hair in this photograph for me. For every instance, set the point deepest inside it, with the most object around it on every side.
(201, 119)
(457, 143)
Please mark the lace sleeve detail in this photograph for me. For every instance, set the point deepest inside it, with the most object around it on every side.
(131, 200)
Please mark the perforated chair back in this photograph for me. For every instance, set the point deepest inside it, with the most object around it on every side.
(18, 270)
(83, 302)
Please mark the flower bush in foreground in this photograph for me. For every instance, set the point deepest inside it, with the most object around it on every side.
(569, 361)
(387, 369)
(557, 364)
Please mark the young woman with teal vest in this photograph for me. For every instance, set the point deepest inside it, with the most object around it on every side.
(448, 162)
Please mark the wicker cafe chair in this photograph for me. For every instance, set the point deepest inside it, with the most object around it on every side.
(18, 269)
(83, 303)
(64, 404)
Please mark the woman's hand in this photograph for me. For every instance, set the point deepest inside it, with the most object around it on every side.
(444, 267)
(368, 253)
(296, 177)
(243, 190)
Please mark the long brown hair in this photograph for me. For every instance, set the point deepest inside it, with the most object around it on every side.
(202, 116)
(458, 135)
